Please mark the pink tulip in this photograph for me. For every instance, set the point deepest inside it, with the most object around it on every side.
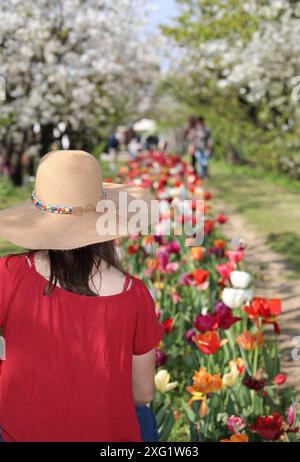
(291, 415)
(235, 424)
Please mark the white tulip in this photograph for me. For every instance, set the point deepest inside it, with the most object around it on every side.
(240, 279)
(235, 298)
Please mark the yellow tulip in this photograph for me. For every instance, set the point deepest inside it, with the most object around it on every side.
(228, 380)
(162, 381)
(203, 410)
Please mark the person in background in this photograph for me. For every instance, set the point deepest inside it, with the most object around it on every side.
(189, 135)
(152, 142)
(113, 143)
(202, 142)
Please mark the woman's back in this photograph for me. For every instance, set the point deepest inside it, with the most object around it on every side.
(68, 369)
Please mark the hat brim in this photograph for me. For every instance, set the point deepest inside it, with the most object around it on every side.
(30, 227)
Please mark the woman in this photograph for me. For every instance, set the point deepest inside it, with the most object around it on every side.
(80, 333)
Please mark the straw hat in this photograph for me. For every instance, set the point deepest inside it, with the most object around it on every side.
(71, 207)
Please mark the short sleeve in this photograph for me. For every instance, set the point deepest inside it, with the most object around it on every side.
(149, 331)
(3, 284)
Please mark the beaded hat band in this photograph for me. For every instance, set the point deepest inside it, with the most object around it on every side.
(62, 209)
(68, 183)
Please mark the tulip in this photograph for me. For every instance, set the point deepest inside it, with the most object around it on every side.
(234, 298)
(149, 245)
(200, 276)
(224, 317)
(209, 342)
(189, 336)
(204, 383)
(240, 279)
(168, 325)
(205, 322)
(203, 409)
(196, 253)
(222, 219)
(224, 270)
(162, 381)
(291, 415)
(254, 384)
(172, 267)
(173, 247)
(238, 438)
(248, 342)
(270, 428)
(280, 379)
(237, 365)
(235, 424)
(235, 256)
(228, 379)
(161, 358)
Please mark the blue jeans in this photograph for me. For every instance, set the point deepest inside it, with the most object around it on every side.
(148, 424)
(202, 162)
(147, 421)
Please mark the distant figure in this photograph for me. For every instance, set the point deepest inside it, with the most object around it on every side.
(132, 142)
(189, 135)
(203, 147)
(152, 142)
(113, 142)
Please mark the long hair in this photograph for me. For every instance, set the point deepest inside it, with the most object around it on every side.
(72, 268)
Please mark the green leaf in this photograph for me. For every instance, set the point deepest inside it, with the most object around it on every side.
(167, 426)
(189, 412)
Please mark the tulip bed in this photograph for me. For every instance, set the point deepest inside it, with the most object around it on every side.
(218, 368)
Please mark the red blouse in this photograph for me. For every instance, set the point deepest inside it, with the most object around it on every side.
(67, 375)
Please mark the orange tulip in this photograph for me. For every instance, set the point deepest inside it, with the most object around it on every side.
(197, 253)
(248, 342)
(237, 438)
(209, 342)
(220, 243)
(204, 382)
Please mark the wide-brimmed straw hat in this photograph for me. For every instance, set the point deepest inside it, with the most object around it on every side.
(71, 207)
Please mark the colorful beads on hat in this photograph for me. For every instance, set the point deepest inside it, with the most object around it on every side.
(50, 208)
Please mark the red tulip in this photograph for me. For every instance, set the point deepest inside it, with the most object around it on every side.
(222, 219)
(205, 322)
(200, 276)
(209, 342)
(270, 428)
(168, 325)
(280, 379)
(263, 307)
(224, 317)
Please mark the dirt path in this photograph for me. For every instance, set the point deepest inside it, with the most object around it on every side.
(272, 281)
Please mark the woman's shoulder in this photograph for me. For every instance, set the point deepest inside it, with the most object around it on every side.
(142, 289)
(11, 262)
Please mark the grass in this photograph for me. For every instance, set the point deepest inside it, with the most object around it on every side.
(269, 201)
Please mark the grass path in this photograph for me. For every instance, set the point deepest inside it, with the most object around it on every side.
(275, 276)
(270, 204)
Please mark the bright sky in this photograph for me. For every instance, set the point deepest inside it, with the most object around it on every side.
(166, 9)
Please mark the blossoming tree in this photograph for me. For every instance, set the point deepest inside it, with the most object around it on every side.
(73, 64)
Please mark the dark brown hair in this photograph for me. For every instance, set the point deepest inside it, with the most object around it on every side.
(72, 268)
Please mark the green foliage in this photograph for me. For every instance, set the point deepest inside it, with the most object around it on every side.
(204, 20)
(289, 245)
